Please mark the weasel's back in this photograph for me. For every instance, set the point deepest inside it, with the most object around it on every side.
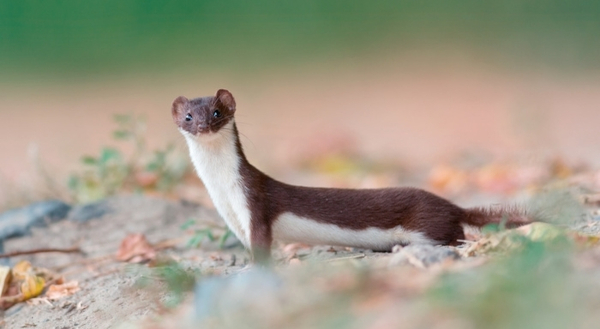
(372, 218)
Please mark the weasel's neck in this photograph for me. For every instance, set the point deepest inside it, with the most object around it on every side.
(220, 151)
(217, 160)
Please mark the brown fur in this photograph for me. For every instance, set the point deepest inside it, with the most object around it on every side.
(355, 209)
(201, 111)
(509, 216)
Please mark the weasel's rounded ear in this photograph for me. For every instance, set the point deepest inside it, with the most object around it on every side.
(177, 109)
(226, 99)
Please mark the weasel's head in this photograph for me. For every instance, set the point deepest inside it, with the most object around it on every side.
(204, 116)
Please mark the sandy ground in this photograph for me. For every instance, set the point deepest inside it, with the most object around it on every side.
(111, 294)
(108, 296)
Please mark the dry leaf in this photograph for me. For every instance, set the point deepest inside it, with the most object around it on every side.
(39, 301)
(25, 282)
(57, 291)
(21, 269)
(4, 279)
(560, 169)
(447, 179)
(146, 179)
(8, 301)
(495, 178)
(32, 286)
(135, 249)
(585, 241)
(336, 164)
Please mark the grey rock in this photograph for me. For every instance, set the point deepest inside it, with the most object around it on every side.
(86, 212)
(18, 222)
(422, 255)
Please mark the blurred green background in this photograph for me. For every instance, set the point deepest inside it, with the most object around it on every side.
(75, 38)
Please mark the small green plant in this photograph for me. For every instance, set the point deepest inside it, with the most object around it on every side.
(112, 171)
(177, 280)
(205, 233)
(199, 236)
(224, 238)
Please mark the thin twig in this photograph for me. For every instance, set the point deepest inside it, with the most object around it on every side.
(161, 245)
(84, 262)
(39, 251)
(345, 258)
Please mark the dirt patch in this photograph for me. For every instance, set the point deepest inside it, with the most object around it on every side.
(108, 296)
(111, 294)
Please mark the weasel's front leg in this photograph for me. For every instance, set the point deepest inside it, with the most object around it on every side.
(261, 238)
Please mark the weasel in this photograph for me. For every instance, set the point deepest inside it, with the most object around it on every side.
(259, 209)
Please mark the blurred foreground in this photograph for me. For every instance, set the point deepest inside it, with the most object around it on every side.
(151, 263)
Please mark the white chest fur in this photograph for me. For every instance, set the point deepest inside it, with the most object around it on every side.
(217, 163)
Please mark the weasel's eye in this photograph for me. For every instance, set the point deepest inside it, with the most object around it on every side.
(217, 114)
(188, 117)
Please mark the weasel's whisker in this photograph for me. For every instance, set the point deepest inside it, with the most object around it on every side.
(223, 129)
(248, 139)
(222, 118)
(237, 121)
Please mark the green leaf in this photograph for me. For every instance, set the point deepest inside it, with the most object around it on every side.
(109, 154)
(195, 241)
(73, 182)
(188, 224)
(89, 160)
(490, 229)
(199, 236)
(121, 134)
(224, 238)
(122, 118)
(153, 166)
(209, 235)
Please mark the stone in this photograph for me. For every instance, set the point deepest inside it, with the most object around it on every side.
(86, 212)
(18, 222)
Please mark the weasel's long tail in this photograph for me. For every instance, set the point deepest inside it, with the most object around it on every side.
(511, 216)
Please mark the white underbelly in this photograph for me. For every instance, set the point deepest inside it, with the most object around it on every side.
(291, 228)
